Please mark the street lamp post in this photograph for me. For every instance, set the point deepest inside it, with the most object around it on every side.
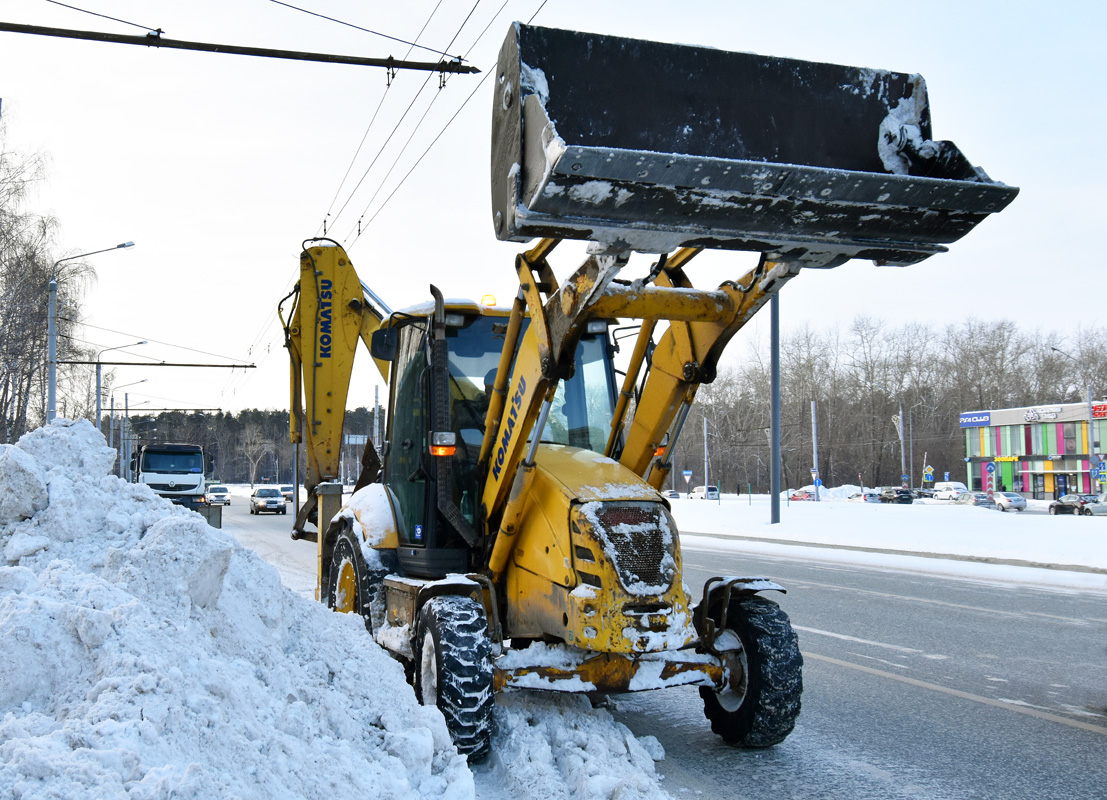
(98, 390)
(1091, 410)
(52, 331)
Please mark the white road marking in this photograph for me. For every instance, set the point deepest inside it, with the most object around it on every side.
(845, 638)
(1006, 704)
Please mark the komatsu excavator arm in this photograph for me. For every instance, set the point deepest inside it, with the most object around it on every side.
(332, 310)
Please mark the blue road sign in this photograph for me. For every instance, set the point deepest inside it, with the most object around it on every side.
(991, 467)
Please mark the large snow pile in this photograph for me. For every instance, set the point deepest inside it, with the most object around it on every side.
(147, 655)
(144, 654)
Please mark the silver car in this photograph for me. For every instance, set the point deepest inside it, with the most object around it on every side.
(267, 498)
(974, 499)
(1009, 501)
(1097, 507)
(219, 495)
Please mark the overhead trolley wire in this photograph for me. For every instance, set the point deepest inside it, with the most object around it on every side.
(104, 16)
(441, 132)
(322, 229)
(375, 33)
(399, 122)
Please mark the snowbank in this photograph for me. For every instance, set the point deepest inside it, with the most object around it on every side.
(147, 655)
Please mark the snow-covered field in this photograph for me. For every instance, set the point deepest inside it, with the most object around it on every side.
(146, 655)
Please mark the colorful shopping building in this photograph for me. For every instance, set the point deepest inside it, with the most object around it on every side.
(1037, 451)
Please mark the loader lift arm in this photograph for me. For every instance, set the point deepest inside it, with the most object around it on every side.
(332, 310)
(701, 324)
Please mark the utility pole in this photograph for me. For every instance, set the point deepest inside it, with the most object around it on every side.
(774, 392)
(814, 451)
(706, 477)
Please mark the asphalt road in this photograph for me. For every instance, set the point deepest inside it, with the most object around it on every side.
(914, 687)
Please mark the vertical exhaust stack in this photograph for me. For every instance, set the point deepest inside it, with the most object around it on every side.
(647, 146)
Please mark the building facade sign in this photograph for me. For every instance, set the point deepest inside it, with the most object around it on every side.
(976, 419)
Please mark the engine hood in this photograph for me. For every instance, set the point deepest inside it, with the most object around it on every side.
(588, 476)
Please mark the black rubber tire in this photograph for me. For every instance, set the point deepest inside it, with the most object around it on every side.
(1053, 510)
(347, 560)
(453, 670)
(1087, 512)
(760, 705)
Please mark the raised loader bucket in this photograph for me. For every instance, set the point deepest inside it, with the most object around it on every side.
(648, 146)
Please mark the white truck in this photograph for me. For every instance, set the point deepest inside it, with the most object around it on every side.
(174, 471)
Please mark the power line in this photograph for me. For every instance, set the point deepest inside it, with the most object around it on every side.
(367, 30)
(369, 127)
(153, 341)
(103, 16)
(441, 132)
(396, 128)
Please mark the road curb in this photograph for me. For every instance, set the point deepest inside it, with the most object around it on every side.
(1010, 562)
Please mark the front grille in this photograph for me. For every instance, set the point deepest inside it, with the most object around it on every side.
(638, 540)
(165, 487)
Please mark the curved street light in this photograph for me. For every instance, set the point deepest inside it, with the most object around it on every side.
(98, 390)
(52, 330)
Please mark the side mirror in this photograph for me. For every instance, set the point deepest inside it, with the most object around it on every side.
(384, 344)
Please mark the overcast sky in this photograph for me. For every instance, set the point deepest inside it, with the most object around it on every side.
(219, 166)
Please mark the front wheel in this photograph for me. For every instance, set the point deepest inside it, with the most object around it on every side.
(1087, 512)
(761, 700)
(453, 670)
(351, 585)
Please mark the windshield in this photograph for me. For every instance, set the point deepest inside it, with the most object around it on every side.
(268, 493)
(173, 462)
(215, 489)
(583, 406)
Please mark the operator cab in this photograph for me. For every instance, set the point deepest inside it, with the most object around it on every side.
(580, 416)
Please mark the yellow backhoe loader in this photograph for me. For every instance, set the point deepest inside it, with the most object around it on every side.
(511, 534)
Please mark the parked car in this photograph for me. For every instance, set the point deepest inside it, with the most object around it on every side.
(705, 493)
(286, 492)
(801, 494)
(267, 498)
(947, 490)
(1009, 501)
(1071, 503)
(218, 495)
(672, 494)
(974, 499)
(894, 495)
(864, 497)
(923, 493)
(1096, 508)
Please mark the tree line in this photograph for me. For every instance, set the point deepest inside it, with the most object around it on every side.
(866, 381)
(251, 446)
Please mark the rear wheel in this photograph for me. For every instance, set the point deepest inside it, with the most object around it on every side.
(761, 700)
(1053, 510)
(453, 670)
(1087, 512)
